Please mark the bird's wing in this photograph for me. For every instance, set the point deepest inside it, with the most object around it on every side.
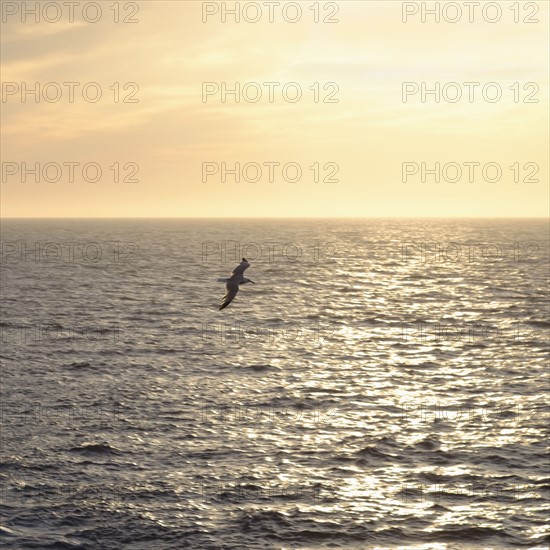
(232, 287)
(241, 268)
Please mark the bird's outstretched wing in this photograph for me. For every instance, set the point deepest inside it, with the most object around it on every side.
(232, 288)
(241, 268)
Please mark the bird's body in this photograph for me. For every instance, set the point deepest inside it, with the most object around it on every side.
(232, 283)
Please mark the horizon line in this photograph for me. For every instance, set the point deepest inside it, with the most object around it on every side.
(6, 218)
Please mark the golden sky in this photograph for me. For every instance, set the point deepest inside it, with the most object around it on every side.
(171, 130)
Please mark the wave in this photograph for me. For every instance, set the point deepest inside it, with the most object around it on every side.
(96, 448)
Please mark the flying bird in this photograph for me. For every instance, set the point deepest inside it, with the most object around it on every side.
(233, 282)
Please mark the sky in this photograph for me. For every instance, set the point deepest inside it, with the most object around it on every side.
(154, 144)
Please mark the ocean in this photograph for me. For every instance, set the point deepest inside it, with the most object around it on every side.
(382, 385)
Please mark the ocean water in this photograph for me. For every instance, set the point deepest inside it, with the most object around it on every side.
(384, 384)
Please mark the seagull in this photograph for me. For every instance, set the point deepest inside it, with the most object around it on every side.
(233, 282)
